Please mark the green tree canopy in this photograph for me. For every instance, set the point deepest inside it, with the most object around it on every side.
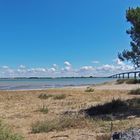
(133, 55)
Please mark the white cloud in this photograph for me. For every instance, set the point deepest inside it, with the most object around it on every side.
(118, 62)
(52, 70)
(22, 67)
(21, 71)
(118, 67)
(95, 62)
(106, 67)
(55, 65)
(67, 63)
(37, 70)
(86, 68)
(5, 67)
(67, 70)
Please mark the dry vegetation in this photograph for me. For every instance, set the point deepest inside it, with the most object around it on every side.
(54, 114)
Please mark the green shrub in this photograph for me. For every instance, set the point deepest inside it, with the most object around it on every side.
(44, 96)
(132, 81)
(108, 108)
(6, 133)
(134, 104)
(135, 92)
(120, 81)
(89, 89)
(115, 109)
(59, 97)
(56, 97)
(44, 109)
(128, 81)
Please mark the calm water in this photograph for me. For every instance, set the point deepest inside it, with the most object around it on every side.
(27, 84)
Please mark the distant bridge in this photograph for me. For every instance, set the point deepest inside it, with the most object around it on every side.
(132, 74)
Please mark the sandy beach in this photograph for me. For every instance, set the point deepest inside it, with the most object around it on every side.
(114, 86)
(108, 86)
(20, 110)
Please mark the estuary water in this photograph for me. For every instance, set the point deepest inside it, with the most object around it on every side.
(45, 83)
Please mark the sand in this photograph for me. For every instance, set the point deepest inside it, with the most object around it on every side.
(108, 86)
(19, 109)
(113, 86)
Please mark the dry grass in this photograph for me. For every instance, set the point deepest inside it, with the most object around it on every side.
(59, 97)
(135, 92)
(18, 109)
(44, 109)
(59, 124)
(55, 97)
(103, 137)
(7, 134)
(44, 96)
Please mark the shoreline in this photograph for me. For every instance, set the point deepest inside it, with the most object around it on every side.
(51, 84)
(102, 86)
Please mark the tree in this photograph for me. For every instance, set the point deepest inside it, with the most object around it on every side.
(133, 55)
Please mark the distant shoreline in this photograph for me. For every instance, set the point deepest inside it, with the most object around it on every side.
(48, 77)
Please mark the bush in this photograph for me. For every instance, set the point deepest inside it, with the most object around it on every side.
(115, 109)
(108, 108)
(128, 81)
(120, 81)
(6, 134)
(56, 97)
(44, 109)
(132, 81)
(103, 137)
(89, 89)
(44, 96)
(135, 92)
(134, 104)
(59, 97)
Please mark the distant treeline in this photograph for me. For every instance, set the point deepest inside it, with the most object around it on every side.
(50, 77)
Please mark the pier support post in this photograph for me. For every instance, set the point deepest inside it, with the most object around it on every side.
(128, 75)
(119, 76)
(123, 75)
(135, 76)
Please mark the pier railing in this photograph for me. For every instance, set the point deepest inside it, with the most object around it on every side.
(132, 74)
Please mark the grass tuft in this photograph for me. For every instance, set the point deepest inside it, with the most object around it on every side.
(135, 92)
(44, 96)
(89, 89)
(56, 97)
(120, 81)
(44, 109)
(59, 97)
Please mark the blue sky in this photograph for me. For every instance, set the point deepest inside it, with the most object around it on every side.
(37, 34)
